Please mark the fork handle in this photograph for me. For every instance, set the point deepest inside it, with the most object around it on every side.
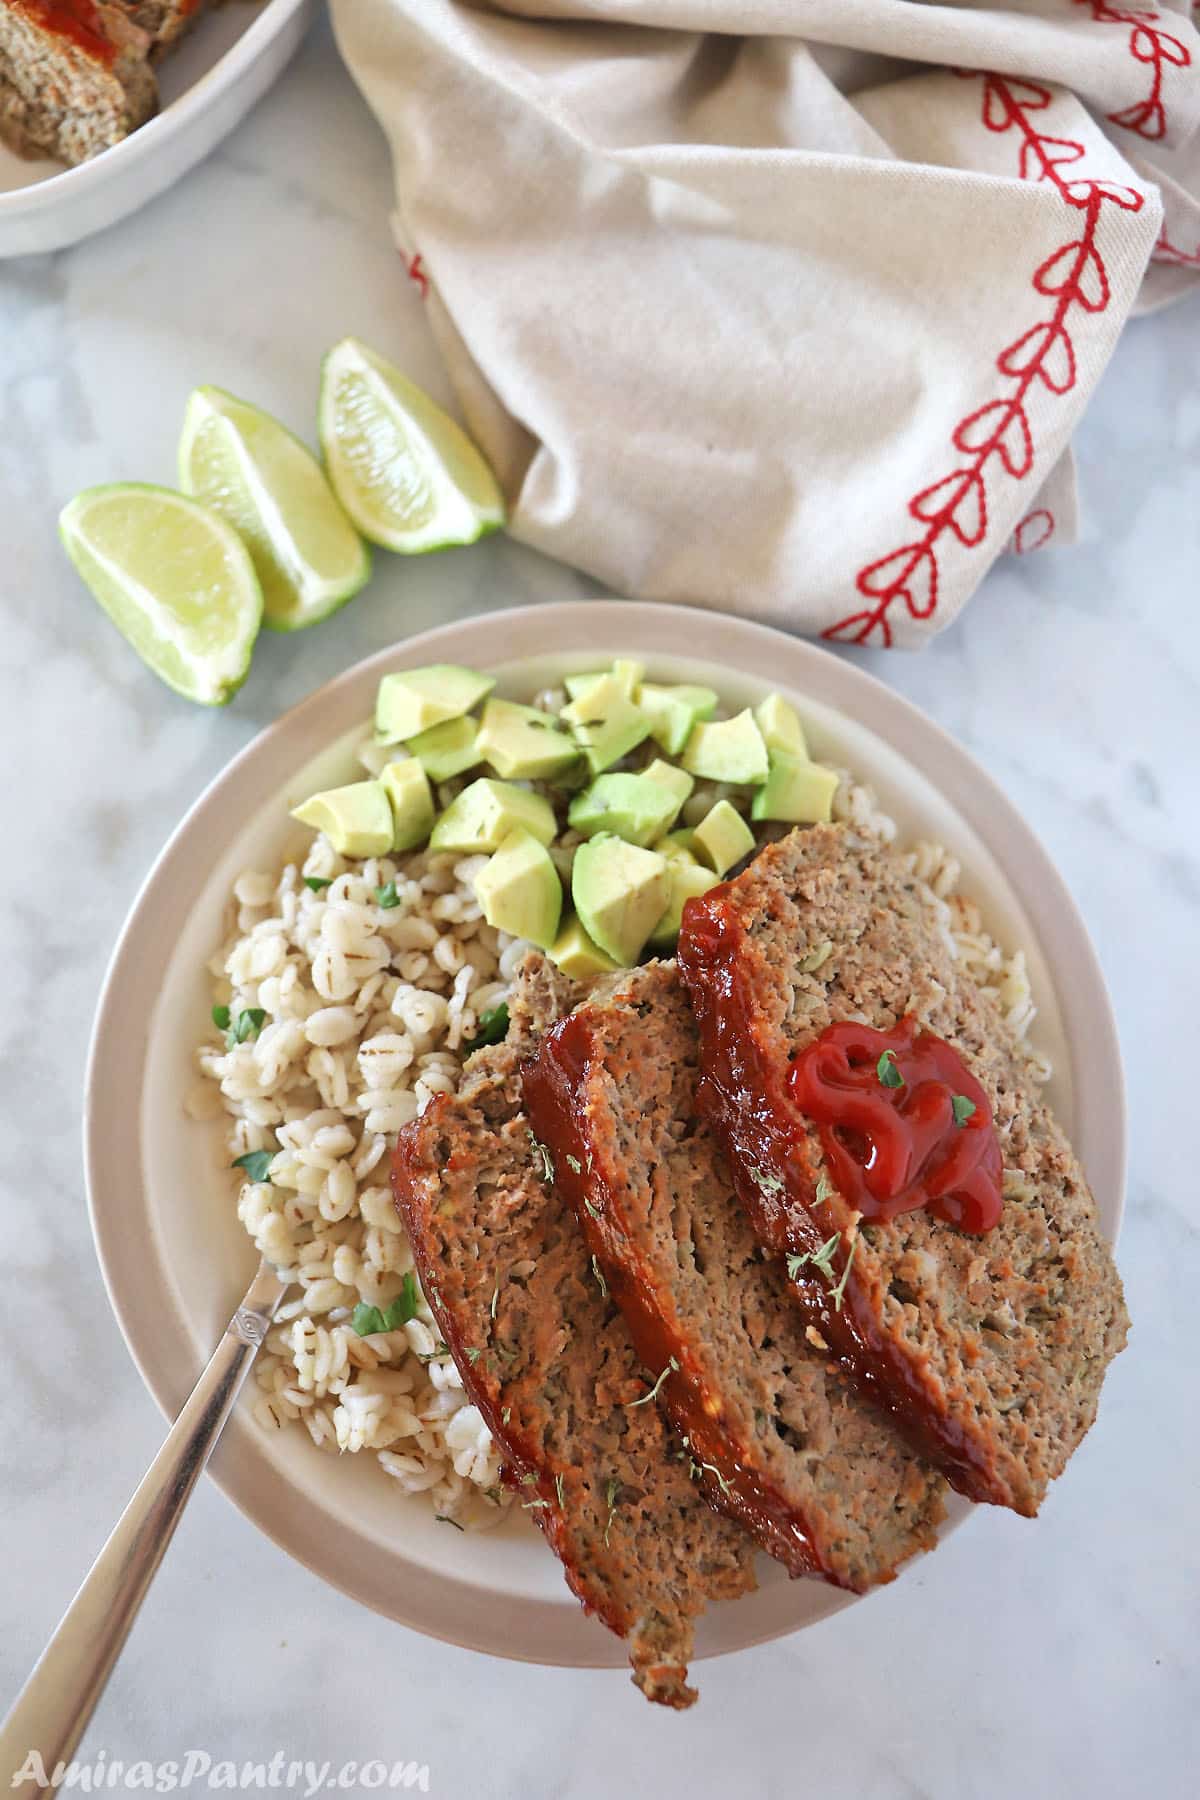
(52, 1710)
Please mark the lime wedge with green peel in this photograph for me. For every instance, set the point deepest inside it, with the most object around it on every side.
(410, 478)
(272, 490)
(175, 578)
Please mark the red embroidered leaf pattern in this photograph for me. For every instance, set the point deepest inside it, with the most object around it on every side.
(1075, 277)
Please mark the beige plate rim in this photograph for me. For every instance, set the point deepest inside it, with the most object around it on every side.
(421, 1582)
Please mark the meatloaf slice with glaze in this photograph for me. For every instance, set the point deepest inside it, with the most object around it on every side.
(817, 1475)
(990, 1350)
(74, 76)
(549, 1361)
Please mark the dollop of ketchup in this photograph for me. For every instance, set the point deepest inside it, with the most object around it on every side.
(894, 1148)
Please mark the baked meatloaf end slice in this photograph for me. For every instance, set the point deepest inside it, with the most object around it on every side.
(74, 76)
(817, 1475)
(989, 1349)
(549, 1361)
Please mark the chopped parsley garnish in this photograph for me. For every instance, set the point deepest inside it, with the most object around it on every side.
(763, 1179)
(445, 1519)
(247, 1024)
(889, 1075)
(652, 1393)
(962, 1108)
(820, 1259)
(610, 1495)
(317, 883)
(594, 1210)
(598, 1272)
(256, 1163)
(837, 1293)
(558, 1488)
(574, 1164)
(824, 1191)
(220, 1017)
(386, 896)
(543, 1158)
(492, 1027)
(529, 1505)
(473, 1356)
(369, 1320)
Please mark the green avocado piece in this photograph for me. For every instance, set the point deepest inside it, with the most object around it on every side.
(447, 750)
(412, 700)
(780, 726)
(627, 672)
(632, 806)
(522, 744)
(677, 844)
(727, 750)
(722, 837)
(577, 956)
(673, 711)
(606, 723)
(519, 890)
(620, 892)
(799, 792)
(356, 819)
(407, 787)
(687, 880)
(668, 776)
(484, 814)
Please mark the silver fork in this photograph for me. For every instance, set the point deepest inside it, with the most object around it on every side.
(53, 1708)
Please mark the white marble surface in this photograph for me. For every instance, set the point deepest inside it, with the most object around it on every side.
(1050, 1659)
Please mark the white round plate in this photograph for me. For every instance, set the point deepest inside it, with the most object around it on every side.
(173, 1254)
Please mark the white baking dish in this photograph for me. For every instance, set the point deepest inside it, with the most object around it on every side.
(208, 84)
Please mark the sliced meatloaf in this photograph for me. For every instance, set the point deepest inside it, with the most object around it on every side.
(817, 1475)
(75, 75)
(549, 1361)
(990, 1350)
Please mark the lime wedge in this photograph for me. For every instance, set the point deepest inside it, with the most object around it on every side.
(245, 464)
(174, 578)
(410, 478)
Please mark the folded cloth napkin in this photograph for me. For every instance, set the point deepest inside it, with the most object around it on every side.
(785, 306)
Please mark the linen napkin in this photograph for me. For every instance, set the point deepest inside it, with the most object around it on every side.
(787, 307)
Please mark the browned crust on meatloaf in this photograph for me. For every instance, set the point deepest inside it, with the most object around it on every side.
(990, 1350)
(548, 1360)
(819, 1477)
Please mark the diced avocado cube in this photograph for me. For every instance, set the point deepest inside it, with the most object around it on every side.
(799, 792)
(522, 744)
(727, 750)
(632, 806)
(412, 700)
(722, 837)
(482, 816)
(447, 750)
(687, 880)
(673, 711)
(627, 672)
(356, 819)
(577, 956)
(519, 890)
(668, 776)
(605, 723)
(620, 893)
(677, 844)
(780, 726)
(407, 787)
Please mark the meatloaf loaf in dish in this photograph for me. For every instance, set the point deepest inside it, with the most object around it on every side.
(821, 1479)
(990, 1349)
(548, 1359)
